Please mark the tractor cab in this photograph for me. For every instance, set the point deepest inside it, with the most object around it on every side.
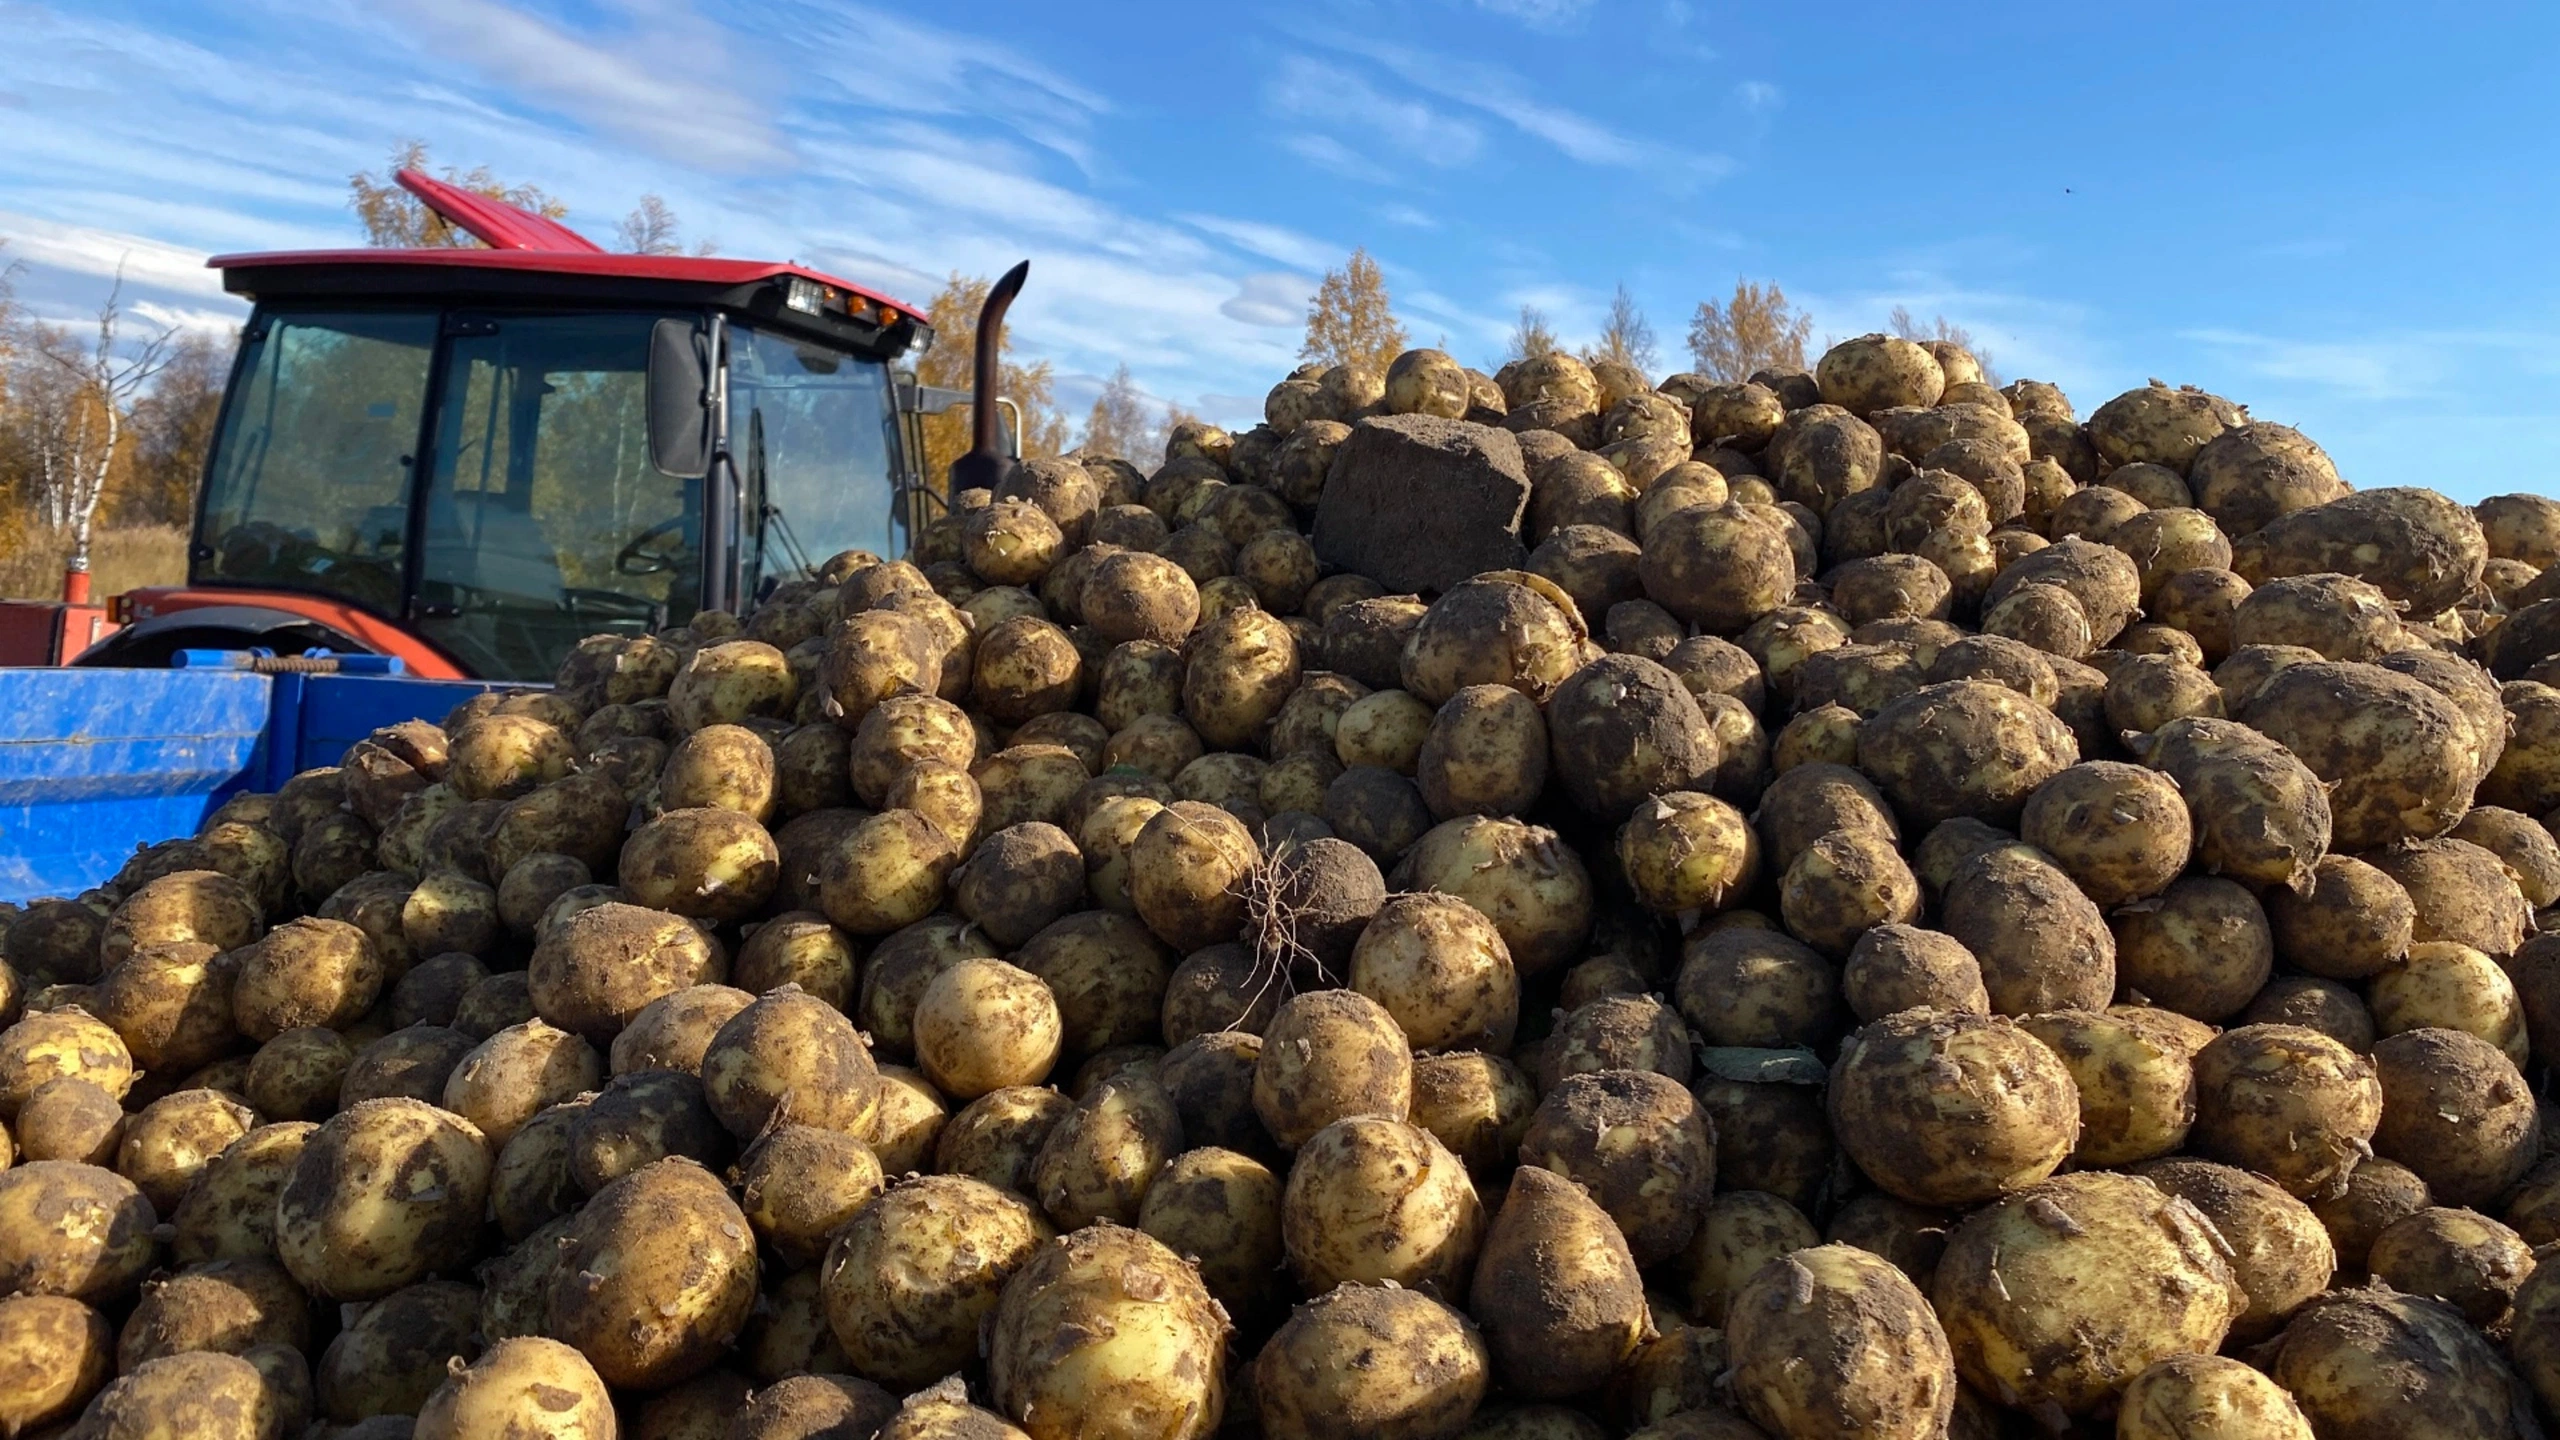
(472, 458)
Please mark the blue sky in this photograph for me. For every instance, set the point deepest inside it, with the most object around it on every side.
(2341, 216)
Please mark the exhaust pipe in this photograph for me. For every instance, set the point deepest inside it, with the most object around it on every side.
(986, 465)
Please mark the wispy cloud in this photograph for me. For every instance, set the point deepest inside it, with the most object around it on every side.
(1539, 14)
(1271, 242)
(2371, 369)
(1305, 88)
(1411, 217)
(667, 83)
(85, 250)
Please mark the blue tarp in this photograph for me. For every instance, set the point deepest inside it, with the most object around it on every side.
(94, 763)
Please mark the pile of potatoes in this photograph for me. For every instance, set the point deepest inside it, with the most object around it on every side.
(1914, 914)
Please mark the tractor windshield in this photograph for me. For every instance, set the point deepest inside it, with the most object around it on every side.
(309, 488)
(484, 476)
(813, 432)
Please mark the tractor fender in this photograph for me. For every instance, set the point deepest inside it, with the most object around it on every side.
(148, 644)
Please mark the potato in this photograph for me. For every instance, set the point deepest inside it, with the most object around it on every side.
(790, 1054)
(200, 1394)
(2351, 922)
(166, 1145)
(1523, 878)
(1018, 880)
(1639, 1144)
(1556, 1291)
(2522, 843)
(983, 1025)
(1098, 1161)
(672, 1031)
(944, 1413)
(54, 1354)
(2324, 1006)
(640, 1118)
(901, 731)
(1376, 809)
(2202, 948)
(2135, 1076)
(1133, 595)
(656, 1277)
(1678, 1372)
(997, 1136)
(527, 1381)
(712, 864)
(1162, 746)
(2288, 1103)
(336, 1226)
(60, 1044)
(2404, 759)
(1901, 967)
(396, 1352)
(431, 993)
(184, 907)
(306, 972)
(1386, 728)
(1686, 852)
(1845, 884)
(909, 1279)
(1616, 1032)
(1106, 1333)
(70, 1119)
(1485, 753)
(2012, 1122)
(2460, 893)
(900, 969)
(2531, 1344)
(1623, 728)
(1309, 1382)
(2279, 1252)
(2455, 1110)
(1243, 666)
(2000, 660)
(2440, 983)
(2144, 1274)
(1187, 871)
(229, 1212)
(1026, 667)
(2338, 615)
(2366, 1200)
(1967, 748)
(1833, 1342)
(2046, 617)
(1329, 1055)
(2199, 1397)
(1441, 970)
(788, 1334)
(1747, 986)
(73, 1230)
(1478, 1106)
(2462, 1258)
(1717, 567)
(515, 1073)
(2202, 604)
(2040, 942)
(887, 873)
(799, 1185)
(531, 1185)
(2366, 1364)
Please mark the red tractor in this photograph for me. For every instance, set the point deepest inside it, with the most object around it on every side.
(472, 458)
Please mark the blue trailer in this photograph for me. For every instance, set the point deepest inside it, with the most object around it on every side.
(95, 763)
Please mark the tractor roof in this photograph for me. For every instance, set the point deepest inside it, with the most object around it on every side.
(521, 247)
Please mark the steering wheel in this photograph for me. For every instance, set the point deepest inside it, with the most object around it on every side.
(637, 558)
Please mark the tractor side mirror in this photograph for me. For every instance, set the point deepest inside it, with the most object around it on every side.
(679, 390)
